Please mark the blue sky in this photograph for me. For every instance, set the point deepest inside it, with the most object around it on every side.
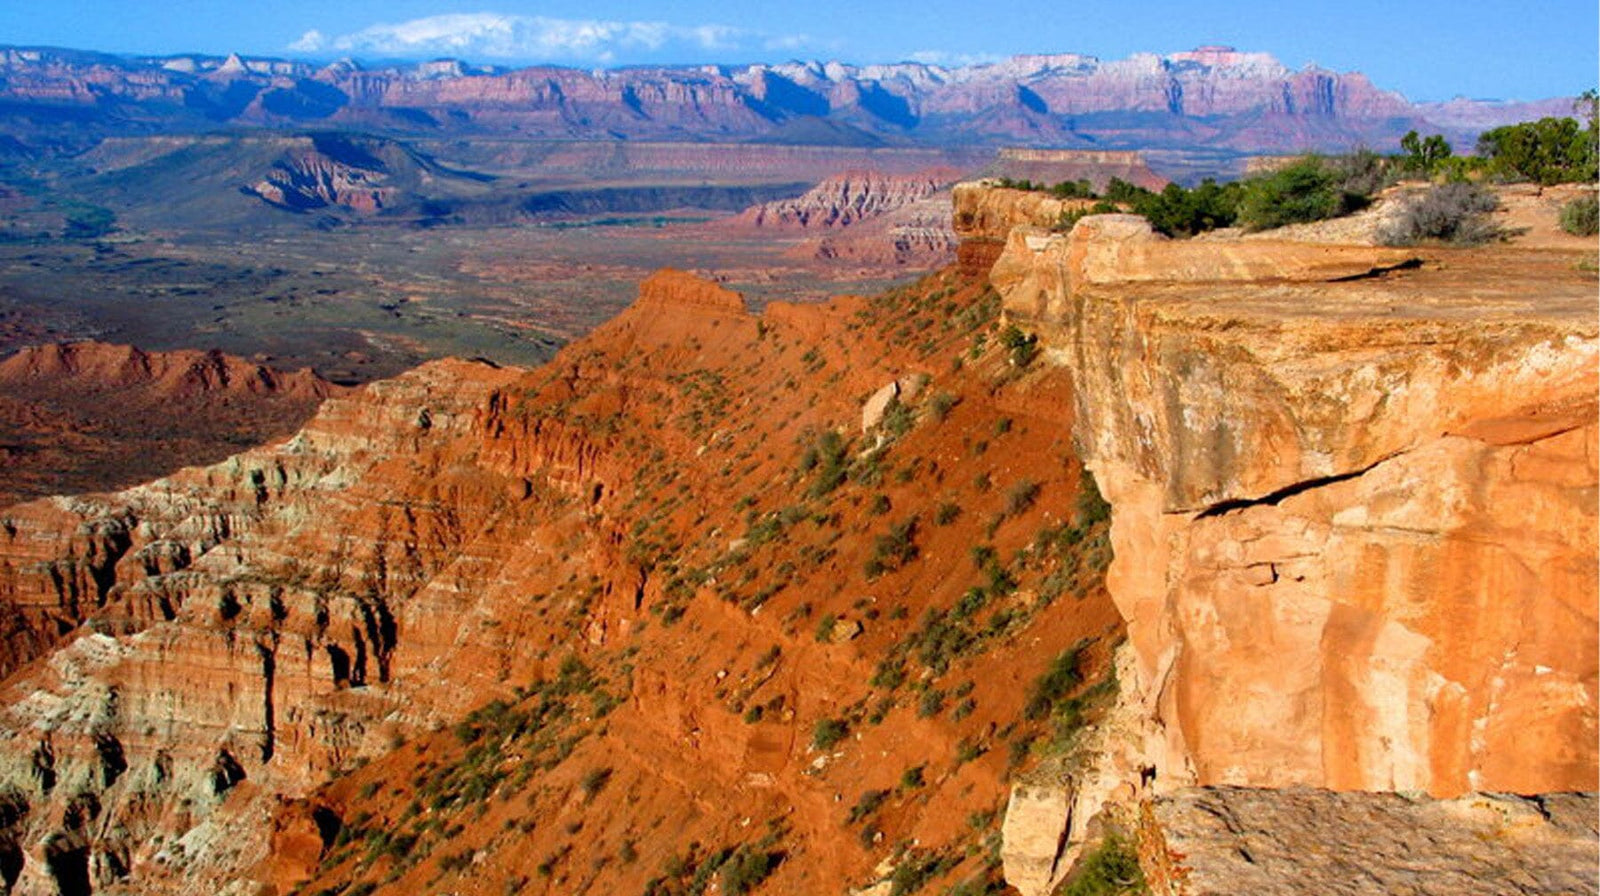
(1428, 49)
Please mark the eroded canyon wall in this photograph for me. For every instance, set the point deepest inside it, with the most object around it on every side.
(468, 613)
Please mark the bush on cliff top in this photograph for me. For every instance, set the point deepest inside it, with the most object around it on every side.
(1309, 189)
(1315, 188)
(1581, 216)
(1453, 213)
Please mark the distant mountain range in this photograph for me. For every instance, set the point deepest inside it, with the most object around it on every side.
(1212, 97)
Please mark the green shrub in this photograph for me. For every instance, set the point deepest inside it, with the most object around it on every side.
(1308, 189)
(827, 732)
(825, 627)
(594, 780)
(912, 778)
(870, 802)
(1176, 211)
(915, 871)
(893, 549)
(1020, 497)
(1111, 870)
(1424, 155)
(1581, 216)
(1021, 347)
(898, 418)
(827, 457)
(1069, 219)
(1073, 189)
(1055, 683)
(746, 868)
(1547, 151)
(1456, 213)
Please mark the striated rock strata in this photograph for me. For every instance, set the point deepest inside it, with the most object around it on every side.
(864, 217)
(467, 613)
(847, 199)
(1354, 514)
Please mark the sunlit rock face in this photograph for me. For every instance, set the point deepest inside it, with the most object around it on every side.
(1354, 511)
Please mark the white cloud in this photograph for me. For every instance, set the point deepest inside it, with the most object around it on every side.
(954, 60)
(310, 42)
(497, 36)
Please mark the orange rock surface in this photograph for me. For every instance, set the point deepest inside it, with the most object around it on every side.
(568, 630)
(1354, 519)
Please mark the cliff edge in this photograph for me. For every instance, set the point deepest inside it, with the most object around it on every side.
(1354, 499)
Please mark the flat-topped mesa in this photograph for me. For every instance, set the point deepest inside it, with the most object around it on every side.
(1353, 515)
(1052, 166)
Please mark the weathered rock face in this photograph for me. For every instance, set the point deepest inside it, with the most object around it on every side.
(1223, 840)
(863, 218)
(1354, 519)
(987, 214)
(310, 180)
(218, 658)
(847, 199)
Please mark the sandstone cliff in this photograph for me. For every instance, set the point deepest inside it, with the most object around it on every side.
(1354, 513)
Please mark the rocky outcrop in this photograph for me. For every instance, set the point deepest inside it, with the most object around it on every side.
(83, 367)
(846, 199)
(1222, 840)
(985, 213)
(310, 181)
(915, 235)
(864, 218)
(1353, 513)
